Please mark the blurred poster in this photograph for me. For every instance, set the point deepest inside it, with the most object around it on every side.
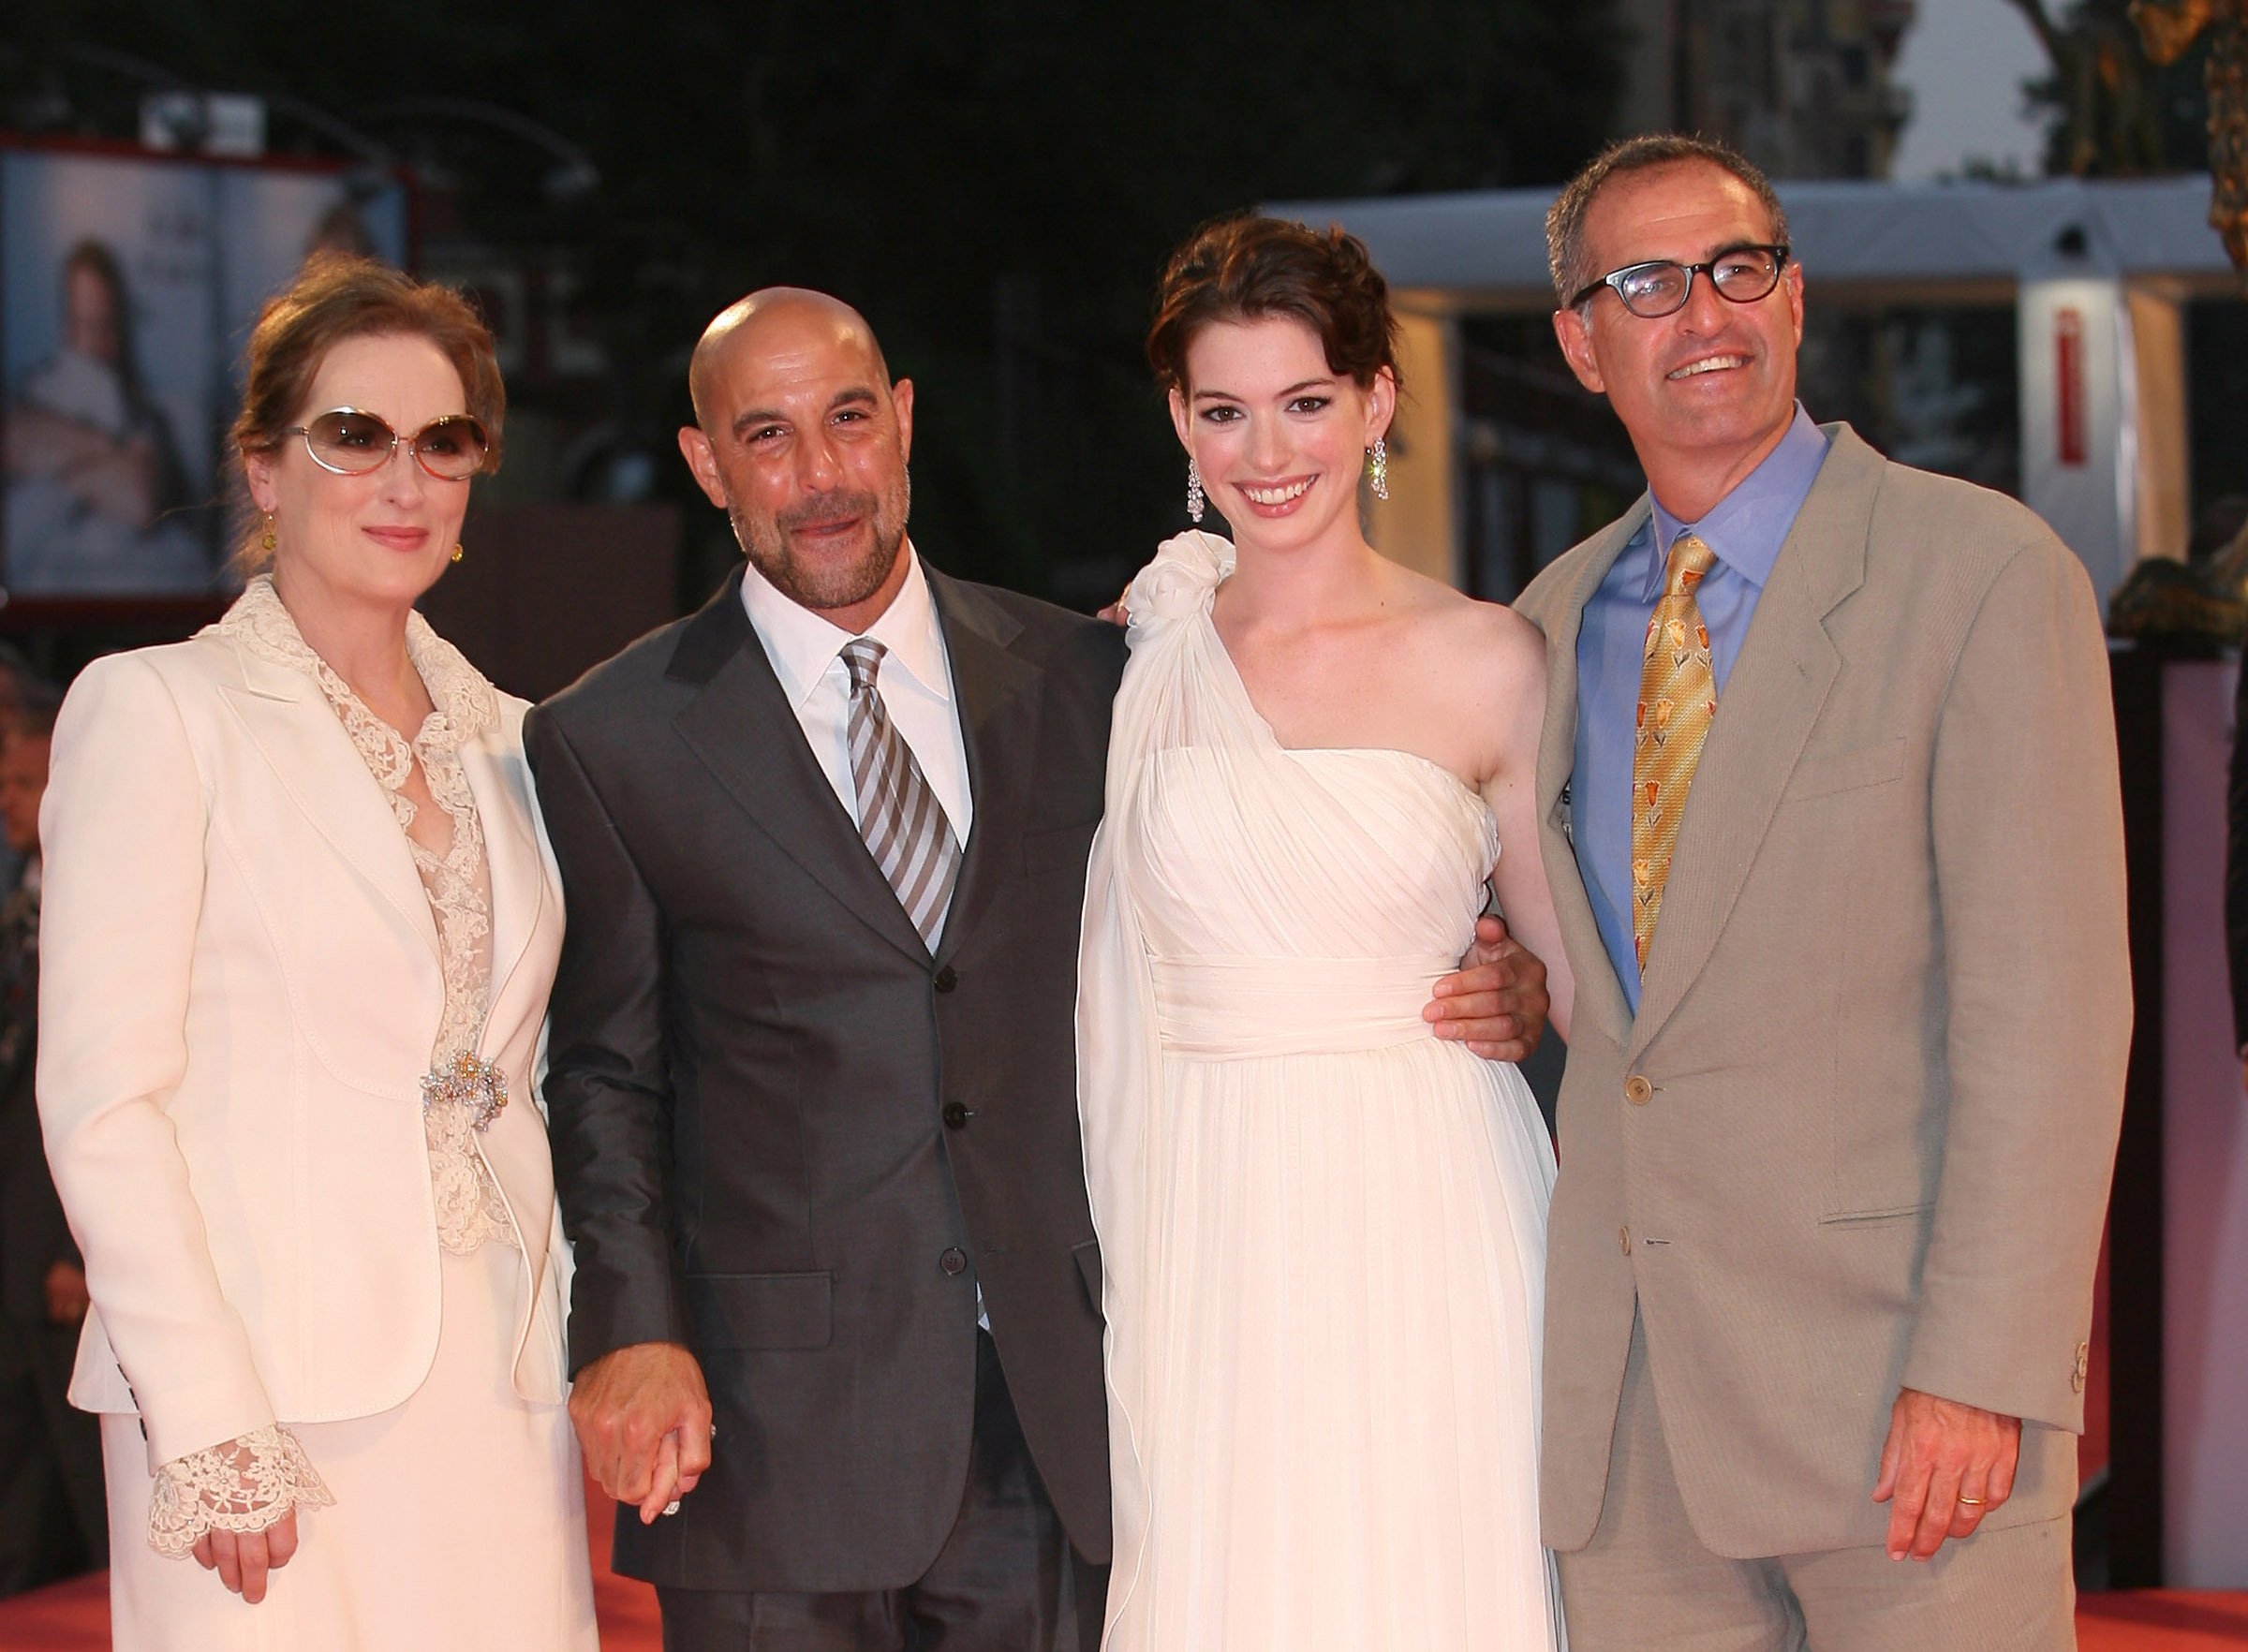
(128, 286)
(271, 221)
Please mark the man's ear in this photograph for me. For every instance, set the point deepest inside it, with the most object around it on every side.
(703, 459)
(1575, 335)
(901, 397)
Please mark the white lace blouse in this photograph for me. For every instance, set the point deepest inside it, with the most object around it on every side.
(247, 1484)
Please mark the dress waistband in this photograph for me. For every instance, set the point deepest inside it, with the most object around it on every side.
(1235, 1007)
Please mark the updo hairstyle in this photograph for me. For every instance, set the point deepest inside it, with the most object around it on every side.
(1244, 269)
(337, 296)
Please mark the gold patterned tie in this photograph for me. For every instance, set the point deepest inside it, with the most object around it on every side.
(1677, 701)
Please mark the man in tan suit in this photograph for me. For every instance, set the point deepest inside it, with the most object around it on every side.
(1829, 744)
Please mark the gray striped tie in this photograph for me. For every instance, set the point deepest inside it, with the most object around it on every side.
(904, 826)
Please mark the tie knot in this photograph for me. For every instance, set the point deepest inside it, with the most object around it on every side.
(1691, 558)
(863, 659)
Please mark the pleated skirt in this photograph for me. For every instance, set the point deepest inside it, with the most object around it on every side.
(1339, 1438)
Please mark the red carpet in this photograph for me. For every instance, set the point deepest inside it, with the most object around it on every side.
(75, 1616)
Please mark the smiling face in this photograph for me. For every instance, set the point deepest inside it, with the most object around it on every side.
(1706, 392)
(802, 441)
(1280, 436)
(378, 539)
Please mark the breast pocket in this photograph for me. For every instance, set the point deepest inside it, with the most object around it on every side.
(1854, 770)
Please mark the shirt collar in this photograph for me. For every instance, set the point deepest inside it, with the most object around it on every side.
(1747, 527)
(803, 644)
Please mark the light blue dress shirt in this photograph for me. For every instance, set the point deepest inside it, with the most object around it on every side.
(1745, 530)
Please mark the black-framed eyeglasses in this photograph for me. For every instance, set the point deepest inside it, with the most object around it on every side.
(352, 443)
(1661, 288)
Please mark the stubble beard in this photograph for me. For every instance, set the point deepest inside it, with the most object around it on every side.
(822, 586)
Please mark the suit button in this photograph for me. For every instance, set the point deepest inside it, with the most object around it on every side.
(1637, 1091)
(1623, 1237)
(954, 1260)
(947, 978)
(955, 1116)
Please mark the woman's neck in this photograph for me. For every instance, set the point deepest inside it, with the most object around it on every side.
(362, 644)
(1334, 579)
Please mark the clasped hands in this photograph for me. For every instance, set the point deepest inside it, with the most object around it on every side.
(643, 1417)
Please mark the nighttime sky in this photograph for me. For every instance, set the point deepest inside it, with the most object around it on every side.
(1965, 61)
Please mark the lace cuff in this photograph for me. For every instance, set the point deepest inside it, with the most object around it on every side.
(244, 1485)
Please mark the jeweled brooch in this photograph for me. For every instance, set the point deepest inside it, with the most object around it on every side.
(475, 1086)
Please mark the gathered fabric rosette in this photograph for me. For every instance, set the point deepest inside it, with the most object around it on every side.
(1180, 581)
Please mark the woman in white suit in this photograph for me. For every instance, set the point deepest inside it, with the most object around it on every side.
(300, 921)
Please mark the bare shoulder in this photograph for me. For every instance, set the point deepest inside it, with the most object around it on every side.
(1478, 641)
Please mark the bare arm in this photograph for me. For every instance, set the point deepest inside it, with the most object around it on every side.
(1511, 791)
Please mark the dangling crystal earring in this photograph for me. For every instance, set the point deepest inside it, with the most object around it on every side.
(1377, 464)
(1193, 489)
(458, 554)
(265, 540)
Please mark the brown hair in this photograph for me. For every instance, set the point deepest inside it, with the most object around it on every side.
(338, 296)
(1244, 269)
(1565, 219)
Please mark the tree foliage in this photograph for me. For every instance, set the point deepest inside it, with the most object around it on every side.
(2110, 111)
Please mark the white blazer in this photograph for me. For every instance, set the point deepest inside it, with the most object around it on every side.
(239, 987)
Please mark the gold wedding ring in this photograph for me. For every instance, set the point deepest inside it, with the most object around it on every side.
(1969, 1503)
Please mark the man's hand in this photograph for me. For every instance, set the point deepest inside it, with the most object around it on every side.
(1947, 1465)
(242, 1558)
(643, 1417)
(67, 1298)
(1495, 1002)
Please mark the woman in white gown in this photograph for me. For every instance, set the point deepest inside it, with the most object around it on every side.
(1323, 1229)
(300, 923)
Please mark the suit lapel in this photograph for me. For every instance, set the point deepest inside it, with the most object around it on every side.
(996, 693)
(1597, 989)
(1777, 688)
(741, 726)
(518, 872)
(315, 762)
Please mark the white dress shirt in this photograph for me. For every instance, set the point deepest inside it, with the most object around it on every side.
(915, 683)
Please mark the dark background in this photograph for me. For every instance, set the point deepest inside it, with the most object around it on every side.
(995, 185)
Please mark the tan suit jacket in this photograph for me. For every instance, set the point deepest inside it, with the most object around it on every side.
(1859, 1133)
(241, 984)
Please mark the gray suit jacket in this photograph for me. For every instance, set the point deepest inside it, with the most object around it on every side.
(788, 1137)
(1860, 1131)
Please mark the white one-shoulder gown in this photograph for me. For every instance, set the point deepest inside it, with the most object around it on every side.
(1323, 1229)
